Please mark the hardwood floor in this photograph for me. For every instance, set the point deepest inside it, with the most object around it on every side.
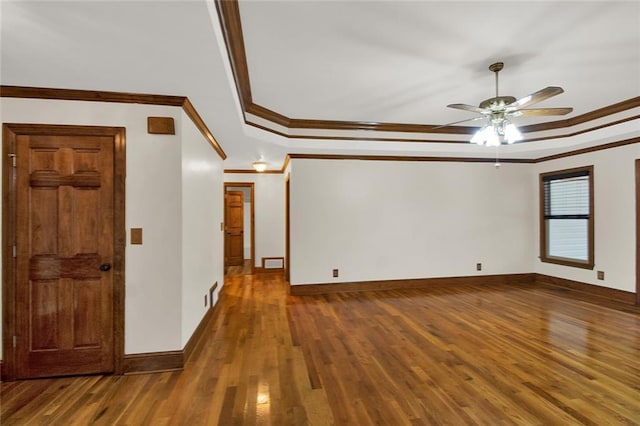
(245, 269)
(460, 355)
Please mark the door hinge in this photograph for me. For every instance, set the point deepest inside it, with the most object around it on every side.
(13, 159)
(15, 340)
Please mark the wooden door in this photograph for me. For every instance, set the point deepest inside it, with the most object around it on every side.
(64, 231)
(234, 228)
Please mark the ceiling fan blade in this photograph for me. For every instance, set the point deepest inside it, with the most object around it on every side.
(537, 112)
(458, 122)
(536, 97)
(467, 108)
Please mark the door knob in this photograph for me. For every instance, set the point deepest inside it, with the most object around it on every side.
(105, 267)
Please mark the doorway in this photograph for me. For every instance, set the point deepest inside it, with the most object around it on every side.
(63, 264)
(239, 256)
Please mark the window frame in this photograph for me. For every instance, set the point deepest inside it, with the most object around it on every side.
(544, 257)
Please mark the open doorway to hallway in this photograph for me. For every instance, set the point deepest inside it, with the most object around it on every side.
(239, 227)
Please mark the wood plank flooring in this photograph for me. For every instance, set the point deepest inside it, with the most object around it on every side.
(245, 269)
(447, 355)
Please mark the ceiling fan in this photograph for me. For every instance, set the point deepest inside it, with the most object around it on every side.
(500, 109)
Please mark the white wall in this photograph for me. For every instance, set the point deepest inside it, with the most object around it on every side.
(614, 215)
(154, 305)
(247, 230)
(202, 238)
(382, 220)
(269, 212)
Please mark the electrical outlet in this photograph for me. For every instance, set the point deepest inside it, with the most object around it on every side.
(601, 275)
(335, 273)
(478, 266)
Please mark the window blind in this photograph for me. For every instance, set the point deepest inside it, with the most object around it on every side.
(566, 212)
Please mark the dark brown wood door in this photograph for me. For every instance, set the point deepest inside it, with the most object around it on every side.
(234, 228)
(64, 251)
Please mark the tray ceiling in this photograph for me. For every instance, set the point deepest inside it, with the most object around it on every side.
(337, 69)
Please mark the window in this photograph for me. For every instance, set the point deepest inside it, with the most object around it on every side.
(566, 217)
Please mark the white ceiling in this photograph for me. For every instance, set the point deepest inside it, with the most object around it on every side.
(378, 61)
(403, 62)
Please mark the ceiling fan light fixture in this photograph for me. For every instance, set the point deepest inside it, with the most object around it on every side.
(512, 134)
(478, 137)
(487, 136)
(496, 132)
(492, 137)
(499, 109)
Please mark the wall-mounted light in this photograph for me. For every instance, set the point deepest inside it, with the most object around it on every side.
(259, 166)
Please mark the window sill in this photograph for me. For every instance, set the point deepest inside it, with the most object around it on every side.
(568, 262)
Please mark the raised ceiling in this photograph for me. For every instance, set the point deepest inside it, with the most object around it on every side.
(321, 76)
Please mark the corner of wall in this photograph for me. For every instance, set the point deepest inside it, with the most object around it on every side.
(202, 239)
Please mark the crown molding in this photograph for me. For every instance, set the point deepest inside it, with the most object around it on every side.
(584, 118)
(602, 147)
(356, 138)
(432, 140)
(189, 109)
(229, 17)
(427, 128)
(407, 158)
(609, 145)
(117, 97)
(89, 95)
(379, 127)
(268, 114)
(461, 130)
(192, 113)
(290, 157)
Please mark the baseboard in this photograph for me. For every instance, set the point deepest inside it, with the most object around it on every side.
(596, 291)
(200, 331)
(261, 270)
(309, 289)
(590, 289)
(153, 362)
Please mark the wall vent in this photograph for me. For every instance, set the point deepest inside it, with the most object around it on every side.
(273, 262)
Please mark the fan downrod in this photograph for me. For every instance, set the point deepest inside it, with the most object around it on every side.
(497, 103)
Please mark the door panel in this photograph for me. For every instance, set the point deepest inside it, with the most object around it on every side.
(234, 228)
(64, 232)
(44, 316)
